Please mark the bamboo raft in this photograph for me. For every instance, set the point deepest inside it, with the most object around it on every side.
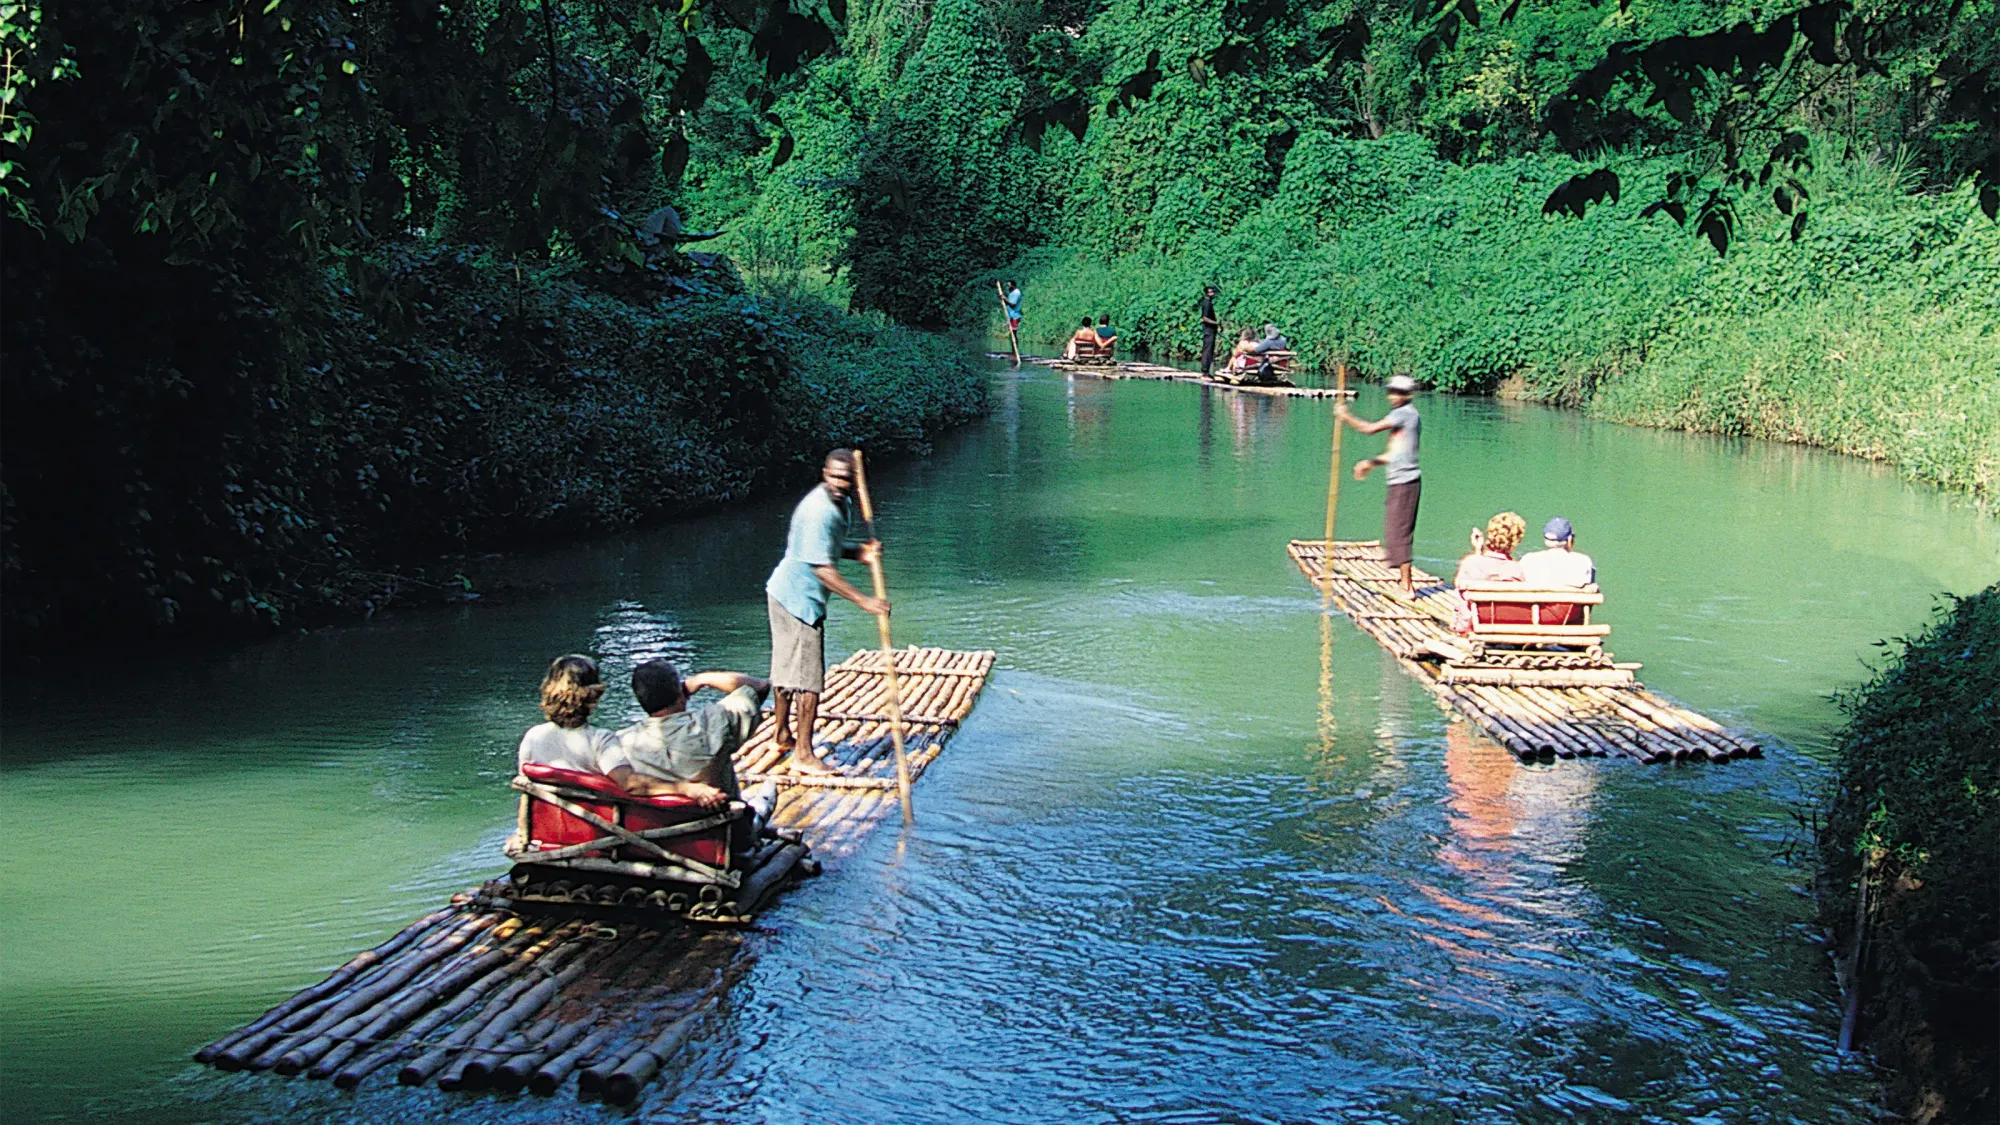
(1136, 369)
(506, 990)
(1563, 704)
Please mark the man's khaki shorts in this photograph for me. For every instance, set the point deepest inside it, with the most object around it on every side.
(798, 650)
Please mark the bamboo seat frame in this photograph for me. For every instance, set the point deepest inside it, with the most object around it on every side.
(1097, 352)
(1533, 633)
(1281, 369)
(662, 864)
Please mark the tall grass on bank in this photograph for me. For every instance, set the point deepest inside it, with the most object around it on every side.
(1876, 334)
(1909, 879)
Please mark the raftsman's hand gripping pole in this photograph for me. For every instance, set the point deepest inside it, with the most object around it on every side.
(888, 647)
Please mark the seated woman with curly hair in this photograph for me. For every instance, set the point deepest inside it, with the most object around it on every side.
(570, 692)
(1491, 561)
(1492, 557)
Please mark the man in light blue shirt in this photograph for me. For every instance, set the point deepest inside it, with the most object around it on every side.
(795, 596)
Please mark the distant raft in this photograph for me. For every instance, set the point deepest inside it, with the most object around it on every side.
(1538, 689)
(530, 979)
(1135, 369)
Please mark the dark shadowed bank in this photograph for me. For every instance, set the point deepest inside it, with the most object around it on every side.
(1910, 865)
(182, 456)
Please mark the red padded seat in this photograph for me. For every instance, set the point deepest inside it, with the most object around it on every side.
(1509, 613)
(550, 828)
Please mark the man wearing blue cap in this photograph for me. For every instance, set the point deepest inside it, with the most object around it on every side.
(1559, 564)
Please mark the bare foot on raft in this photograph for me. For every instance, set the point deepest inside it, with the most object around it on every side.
(807, 762)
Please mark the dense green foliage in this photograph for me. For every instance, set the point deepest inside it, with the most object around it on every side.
(488, 407)
(1877, 333)
(1390, 206)
(1916, 820)
(300, 294)
(1144, 128)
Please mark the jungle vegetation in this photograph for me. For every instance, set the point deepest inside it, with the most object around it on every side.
(1774, 222)
(304, 296)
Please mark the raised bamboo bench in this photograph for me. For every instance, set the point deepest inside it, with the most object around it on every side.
(1566, 702)
(507, 989)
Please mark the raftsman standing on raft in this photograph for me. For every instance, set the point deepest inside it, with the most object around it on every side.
(1399, 515)
(795, 594)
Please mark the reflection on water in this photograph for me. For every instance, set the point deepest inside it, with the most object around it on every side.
(1202, 854)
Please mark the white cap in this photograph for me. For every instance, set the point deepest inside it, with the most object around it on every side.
(1402, 383)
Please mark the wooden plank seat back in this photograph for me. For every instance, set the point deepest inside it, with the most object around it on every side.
(551, 828)
(1093, 351)
(1514, 614)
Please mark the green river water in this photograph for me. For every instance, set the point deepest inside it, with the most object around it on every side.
(1168, 871)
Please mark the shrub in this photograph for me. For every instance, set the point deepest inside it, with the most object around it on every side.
(1910, 863)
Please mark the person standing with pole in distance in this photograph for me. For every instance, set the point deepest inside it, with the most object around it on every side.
(1210, 325)
(1399, 518)
(1010, 301)
(795, 596)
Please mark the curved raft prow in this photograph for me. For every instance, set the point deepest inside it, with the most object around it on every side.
(581, 960)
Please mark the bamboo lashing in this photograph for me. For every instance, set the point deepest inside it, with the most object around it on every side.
(888, 646)
(1577, 702)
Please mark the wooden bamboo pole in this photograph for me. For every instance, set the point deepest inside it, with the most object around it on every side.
(1333, 475)
(353, 1000)
(888, 646)
(624, 1084)
(333, 982)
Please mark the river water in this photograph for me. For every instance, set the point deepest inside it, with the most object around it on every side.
(1186, 863)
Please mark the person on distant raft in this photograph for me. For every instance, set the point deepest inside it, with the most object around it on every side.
(1273, 341)
(1010, 298)
(1399, 516)
(1107, 336)
(1558, 564)
(1246, 344)
(571, 690)
(795, 594)
(1210, 325)
(687, 751)
(1084, 335)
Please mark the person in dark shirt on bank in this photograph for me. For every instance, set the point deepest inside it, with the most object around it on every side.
(1210, 325)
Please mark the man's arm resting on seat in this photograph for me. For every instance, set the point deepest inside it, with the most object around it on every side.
(725, 682)
(639, 785)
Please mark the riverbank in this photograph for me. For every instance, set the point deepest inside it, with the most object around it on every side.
(167, 474)
(1907, 885)
(1876, 334)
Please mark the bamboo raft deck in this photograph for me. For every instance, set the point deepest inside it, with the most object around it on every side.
(490, 992)
(1536, 704)
(1137, 369)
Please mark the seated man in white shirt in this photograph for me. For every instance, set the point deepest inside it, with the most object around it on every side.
(1559, 564)
(684, 751)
